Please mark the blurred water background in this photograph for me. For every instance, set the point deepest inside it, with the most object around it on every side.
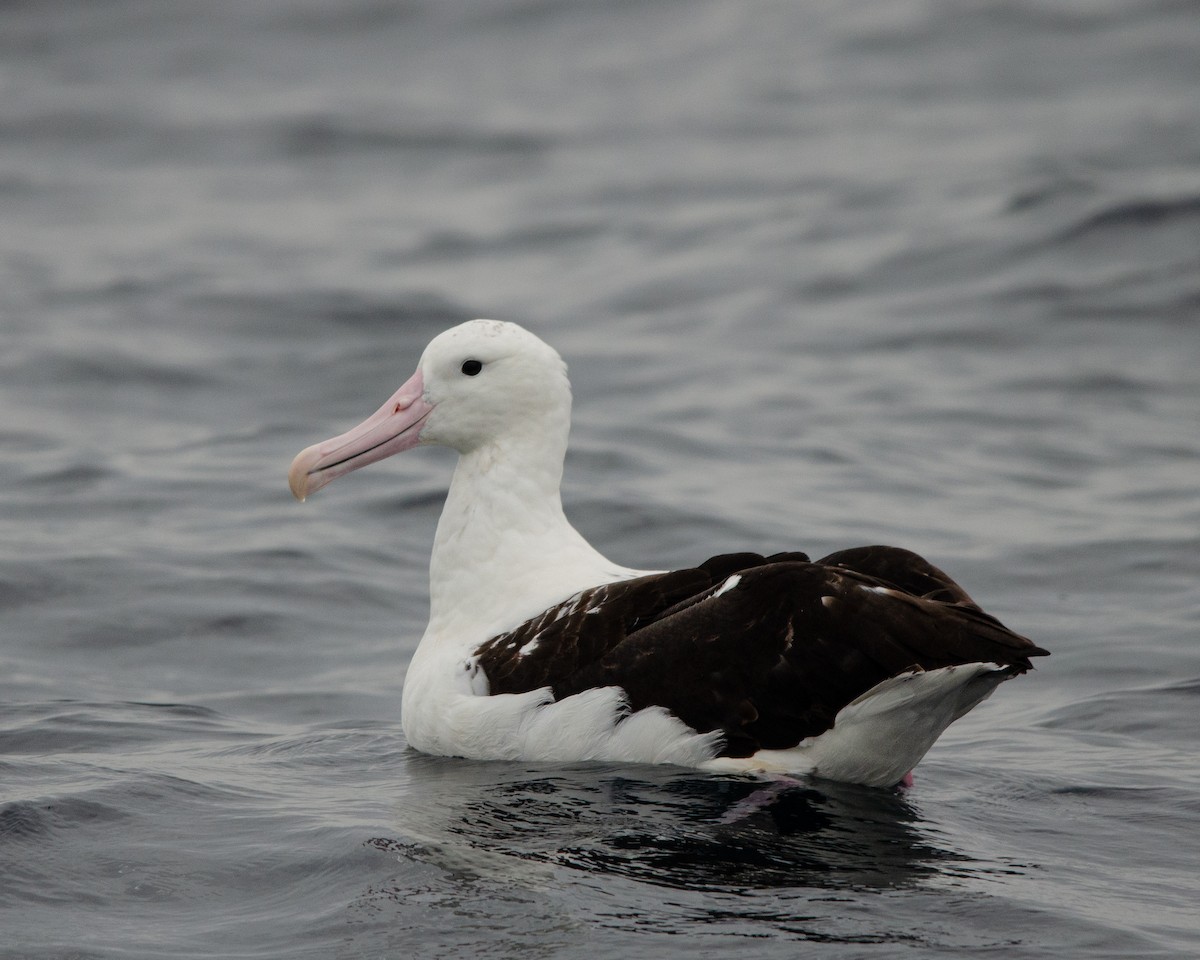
(826, 273)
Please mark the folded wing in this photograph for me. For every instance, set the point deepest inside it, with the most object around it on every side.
(766, 650)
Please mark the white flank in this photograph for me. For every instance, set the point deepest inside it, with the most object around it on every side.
(879, 737)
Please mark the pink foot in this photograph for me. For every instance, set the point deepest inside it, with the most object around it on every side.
(906, 781)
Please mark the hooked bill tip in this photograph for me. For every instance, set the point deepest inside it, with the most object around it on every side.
(298, 475)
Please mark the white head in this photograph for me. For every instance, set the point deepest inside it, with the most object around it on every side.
(483, 383)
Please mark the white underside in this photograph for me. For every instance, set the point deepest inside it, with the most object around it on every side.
(881, 736)
(875, 740)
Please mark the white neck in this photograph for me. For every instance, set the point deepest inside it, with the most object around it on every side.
(504, 549)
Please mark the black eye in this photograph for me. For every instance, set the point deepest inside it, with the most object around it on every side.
(471, 367)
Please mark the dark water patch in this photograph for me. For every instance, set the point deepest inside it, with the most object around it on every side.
(1103, 559)
(23, 583)
(100, 624)
(415, 314)
(36, 820)
(714, 858)
(1136, 214)
(1167, 298)
(925, 33)
(271, 556)
(591, 456)
(119, 139)
(542, 237)
(423, 503)
(827, 288)
(255, 625)
(693, 834)
(712, 191)
(62, 128)
(109, 369)
(158, 792)
(1163, 714)
(360, 16)
(1051, 190)
(1121, 795)
(316, 705)
(1129, 257)
(24, 442)
(1135, 295)
(75, 478)
(77, 727)
(327, 746)
(134, 294)
(14, 186)
(667, 294)
(656, 534)
(963, 338)
(1106, 384)
(323, 136)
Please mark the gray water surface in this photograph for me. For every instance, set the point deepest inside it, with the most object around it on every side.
(826, 274)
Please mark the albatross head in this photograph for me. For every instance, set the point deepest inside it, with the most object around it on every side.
(481, 383)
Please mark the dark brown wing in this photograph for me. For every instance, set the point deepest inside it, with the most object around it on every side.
(901, 568)
(580, 630)
(768, 658)
(583, 628)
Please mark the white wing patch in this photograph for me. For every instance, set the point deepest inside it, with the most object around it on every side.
(728, 585)
(530, 646)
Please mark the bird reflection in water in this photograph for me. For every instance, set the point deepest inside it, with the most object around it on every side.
(670, 828)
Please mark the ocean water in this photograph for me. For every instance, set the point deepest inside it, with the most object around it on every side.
(826, 274)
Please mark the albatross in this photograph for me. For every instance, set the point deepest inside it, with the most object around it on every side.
(540, 648)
